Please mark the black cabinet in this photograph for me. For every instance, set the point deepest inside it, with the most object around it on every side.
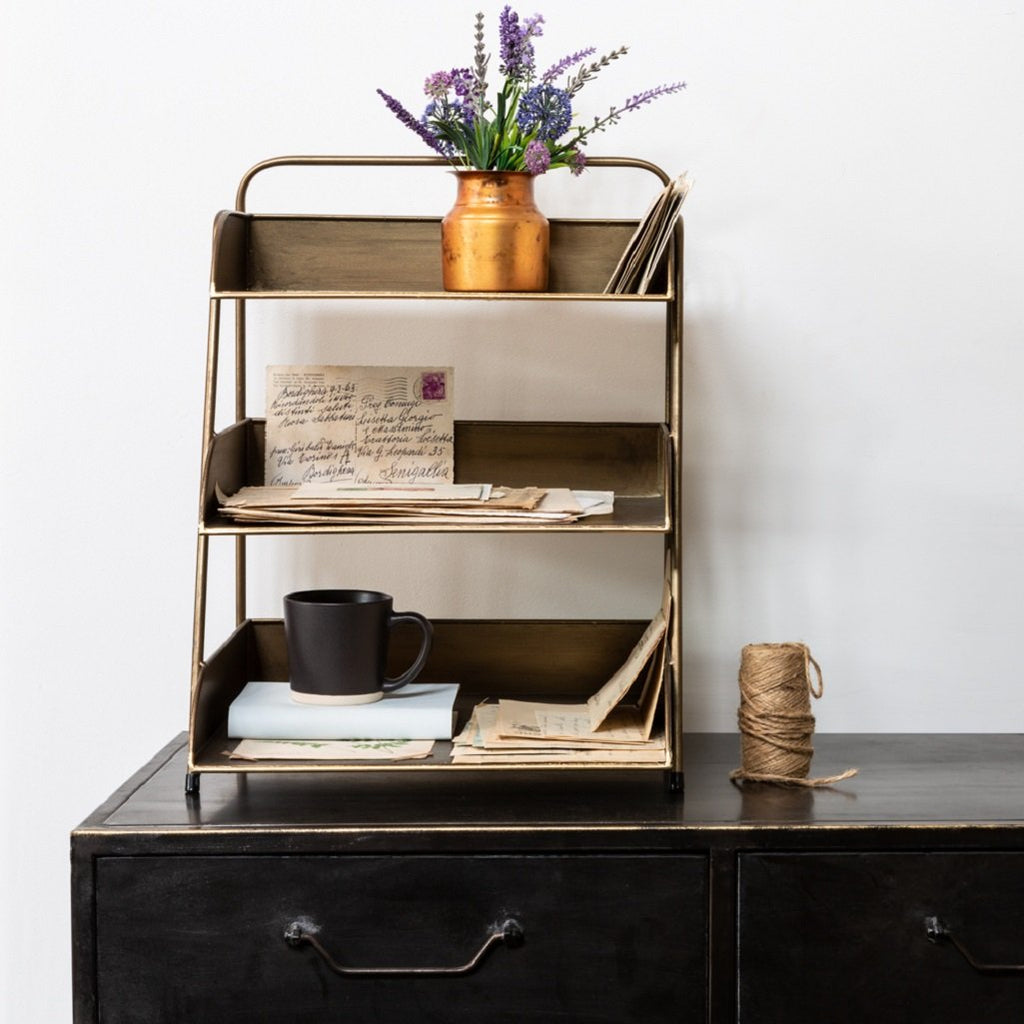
(859, 935)
(530, 897)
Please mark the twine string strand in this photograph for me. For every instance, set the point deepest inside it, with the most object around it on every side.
(775, 717)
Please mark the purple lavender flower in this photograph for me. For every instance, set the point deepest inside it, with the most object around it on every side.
(462, 82)
(565, 63)
(517, 57)
(651, 94)
(633, 103)
(545, 110)
(536, 157)
(576, 162)
(440, 83)
(410, 122)
(590, 71)
(533, 26)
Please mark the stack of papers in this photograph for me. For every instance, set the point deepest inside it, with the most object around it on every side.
(600, 730)
(646, 248)
(493, 735)
(442, 504)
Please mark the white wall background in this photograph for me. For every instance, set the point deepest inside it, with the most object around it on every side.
(854, 330)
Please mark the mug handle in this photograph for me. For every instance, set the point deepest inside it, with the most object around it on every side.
(421, 659)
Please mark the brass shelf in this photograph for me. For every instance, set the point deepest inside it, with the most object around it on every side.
(213, 758)
(630, 459)
(522, 658)
(632, 515)
(257, 256)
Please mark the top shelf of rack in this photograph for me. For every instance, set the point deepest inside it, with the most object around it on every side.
(277, 256)
(301, 256)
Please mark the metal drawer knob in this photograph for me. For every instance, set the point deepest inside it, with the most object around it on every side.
(938, 931)
(509, 933)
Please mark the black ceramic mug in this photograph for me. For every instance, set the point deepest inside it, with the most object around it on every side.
(338, 645)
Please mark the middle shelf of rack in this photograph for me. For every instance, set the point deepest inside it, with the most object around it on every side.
(633, 460)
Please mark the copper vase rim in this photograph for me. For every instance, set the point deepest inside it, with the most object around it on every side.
(493, 170)
(497, 175)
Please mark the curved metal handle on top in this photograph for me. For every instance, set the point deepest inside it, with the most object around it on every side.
(408, 161)
(331, 161)
(509, 932)
(938, 931)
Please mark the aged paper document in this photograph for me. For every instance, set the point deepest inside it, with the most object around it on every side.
(600, 705)
(359, 425)
(433, 504)
(331, 750)
(603, 727)
(535, 720)
(417, 494)
(481, 742)
(488, 732)
(654, 753)
(646, 248)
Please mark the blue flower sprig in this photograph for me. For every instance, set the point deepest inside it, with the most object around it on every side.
(529, 127)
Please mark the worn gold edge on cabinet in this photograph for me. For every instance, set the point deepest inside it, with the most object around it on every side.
(499, 827)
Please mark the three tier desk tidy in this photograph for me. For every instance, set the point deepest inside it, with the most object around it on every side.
(389, 260)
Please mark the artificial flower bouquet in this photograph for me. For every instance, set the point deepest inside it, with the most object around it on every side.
(531, 124)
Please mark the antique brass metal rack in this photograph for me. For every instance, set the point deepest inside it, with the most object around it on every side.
(270, 256)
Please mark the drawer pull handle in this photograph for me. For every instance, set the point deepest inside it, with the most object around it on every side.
(938, 931)
(509, 932)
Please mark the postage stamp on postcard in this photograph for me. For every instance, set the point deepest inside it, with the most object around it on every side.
(433, 386)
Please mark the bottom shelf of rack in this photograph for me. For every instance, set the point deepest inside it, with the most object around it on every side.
(558, 661)
(215, 757)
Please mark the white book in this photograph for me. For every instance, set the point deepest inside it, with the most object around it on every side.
(418, 711)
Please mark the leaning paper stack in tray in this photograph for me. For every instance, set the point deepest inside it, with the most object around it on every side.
(495, 735)
(426, 504)
(639, 263)
(601, 730)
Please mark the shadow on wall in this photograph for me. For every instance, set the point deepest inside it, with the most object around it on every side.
(772, 525)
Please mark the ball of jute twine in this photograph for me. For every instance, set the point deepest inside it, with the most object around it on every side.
(775, 717)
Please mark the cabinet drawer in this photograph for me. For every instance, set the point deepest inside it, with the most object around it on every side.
(844, 937)
(606, 938)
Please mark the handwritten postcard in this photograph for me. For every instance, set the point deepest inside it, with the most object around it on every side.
(359, 425)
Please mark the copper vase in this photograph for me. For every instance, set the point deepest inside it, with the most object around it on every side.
(494, 239)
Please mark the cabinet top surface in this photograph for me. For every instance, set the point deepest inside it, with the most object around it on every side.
(903, 780)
